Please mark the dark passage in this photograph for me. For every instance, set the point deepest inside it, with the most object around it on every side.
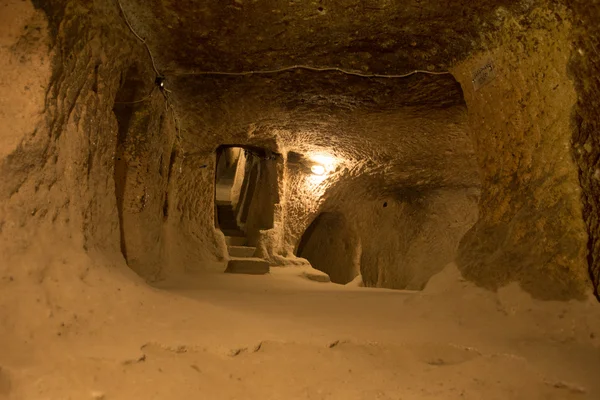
(331, 246)
(124, 109)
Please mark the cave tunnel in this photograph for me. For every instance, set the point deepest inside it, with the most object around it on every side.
(330, 245)
(324, 199)
(246, 191)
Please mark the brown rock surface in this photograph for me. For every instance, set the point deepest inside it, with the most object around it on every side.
(404, 141)
(530, 228)
(108, 145)
(584, 68)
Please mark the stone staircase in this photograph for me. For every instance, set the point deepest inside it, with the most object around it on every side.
(241, 256)
(227, 220)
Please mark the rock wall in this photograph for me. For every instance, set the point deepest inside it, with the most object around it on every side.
(410, 240)
(403, 238)
(584, 68)
(388, 138)
(94, 164)
(89, 164)
(261, 213)
(240, 173)
(530, 228)
(144, 159)
(193, 241)
(408, 211)
(60, 177)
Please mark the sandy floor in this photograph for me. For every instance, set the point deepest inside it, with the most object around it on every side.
(281, 336)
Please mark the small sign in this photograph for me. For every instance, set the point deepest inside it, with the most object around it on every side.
(484, 75)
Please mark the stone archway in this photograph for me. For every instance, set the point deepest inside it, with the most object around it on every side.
(331, 244)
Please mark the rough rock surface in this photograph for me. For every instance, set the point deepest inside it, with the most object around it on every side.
(96, 168)
(61, 175)
(136, 181)
(584, 68)
(530, 228)
(369, 36)
(418, 147)
(104, 169)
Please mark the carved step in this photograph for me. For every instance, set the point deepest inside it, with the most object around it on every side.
(251, 266)
(241, 251)
(236, 240)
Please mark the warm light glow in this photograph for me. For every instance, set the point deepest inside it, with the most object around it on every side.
(315, 180)
(318, 169)
(327, 162)
(324, 165)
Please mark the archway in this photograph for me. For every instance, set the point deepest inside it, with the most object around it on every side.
(125, 107)
(332, 246)
(246, 191)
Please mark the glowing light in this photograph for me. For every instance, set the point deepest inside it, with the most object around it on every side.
(318, 169)
(323, 166)
(327, 162)
(313, 181)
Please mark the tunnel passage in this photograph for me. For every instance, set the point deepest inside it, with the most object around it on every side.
(332, 246)
(415, 129)
(352, 144)
(124, 109)
(245, 191)
(143, 161)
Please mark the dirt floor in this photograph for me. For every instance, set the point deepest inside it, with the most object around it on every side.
(282, 336)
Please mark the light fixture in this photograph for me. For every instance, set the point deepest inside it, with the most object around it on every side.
(318, 169)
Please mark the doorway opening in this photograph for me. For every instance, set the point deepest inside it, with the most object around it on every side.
(331, 246)
(131, 88)
(246, 192)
